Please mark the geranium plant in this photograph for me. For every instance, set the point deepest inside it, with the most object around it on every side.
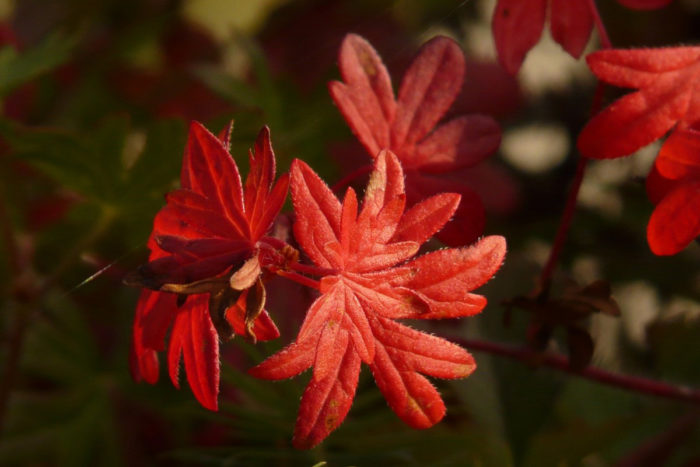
(301, 276)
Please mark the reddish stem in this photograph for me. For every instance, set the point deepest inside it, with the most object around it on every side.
(303, 280)
(602, 32)
(313, 270)
(561, 363)
(570, 207)
(345, 181)
(564, 224)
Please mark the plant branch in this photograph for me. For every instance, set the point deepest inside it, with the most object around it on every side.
(559, 362)
(313, 270)
(298, 278)
(570, 206)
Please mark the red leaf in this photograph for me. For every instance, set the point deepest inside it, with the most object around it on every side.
(212, 225)
(326, 402)
(469, 218)
(517, 27)
(194, 338)
(420, 222)
(264, 328)
(427, 91)
(406, 126)
(674, 185)
(669, 94)
(367, 284)
(680, 155)
(402, 354)
(676, 220)
(571, 23)
(462, 142)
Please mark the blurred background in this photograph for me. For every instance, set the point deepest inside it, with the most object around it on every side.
(95, 98)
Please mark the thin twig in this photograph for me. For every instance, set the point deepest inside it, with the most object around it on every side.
(602, 32)
(559, 362)
(570, 207)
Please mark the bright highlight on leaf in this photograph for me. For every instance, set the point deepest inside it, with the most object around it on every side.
(432, 157)
(373, 280)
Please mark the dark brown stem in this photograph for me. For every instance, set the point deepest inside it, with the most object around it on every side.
(559, 362)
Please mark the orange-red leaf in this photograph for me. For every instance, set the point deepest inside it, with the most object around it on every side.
(668, 83)
(366, 285)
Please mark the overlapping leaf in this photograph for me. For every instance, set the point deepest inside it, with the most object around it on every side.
(674, 186)
(668, 94)
(371, 283)
(406, 125)
(209, 226)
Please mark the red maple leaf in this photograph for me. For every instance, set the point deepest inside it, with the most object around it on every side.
(518, 25)
(370, 281)
(430, 156)
(674, 186)
(207, 242)
(668, 83)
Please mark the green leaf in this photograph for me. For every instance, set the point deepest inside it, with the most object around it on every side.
(18, 68)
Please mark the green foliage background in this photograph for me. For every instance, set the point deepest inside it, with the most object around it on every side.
(96, 97)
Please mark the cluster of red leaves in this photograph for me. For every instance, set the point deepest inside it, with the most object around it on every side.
(518, 25)
(434, 159)
(368, 285)
(209, 251)
(210, 226)
(668, 97)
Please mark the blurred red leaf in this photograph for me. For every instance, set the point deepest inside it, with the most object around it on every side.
(668, 94)
(406, 125)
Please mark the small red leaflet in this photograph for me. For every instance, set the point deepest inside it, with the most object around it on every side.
(668, 83)
(371, 280)
(518, 25)
(207, 248)
(674, 186)
(432, 157)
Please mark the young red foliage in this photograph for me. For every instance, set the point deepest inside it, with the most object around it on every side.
(668, 83)
(518, 25)
(674, 186)
(212, 225)
(373, 282)
(430, 156)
